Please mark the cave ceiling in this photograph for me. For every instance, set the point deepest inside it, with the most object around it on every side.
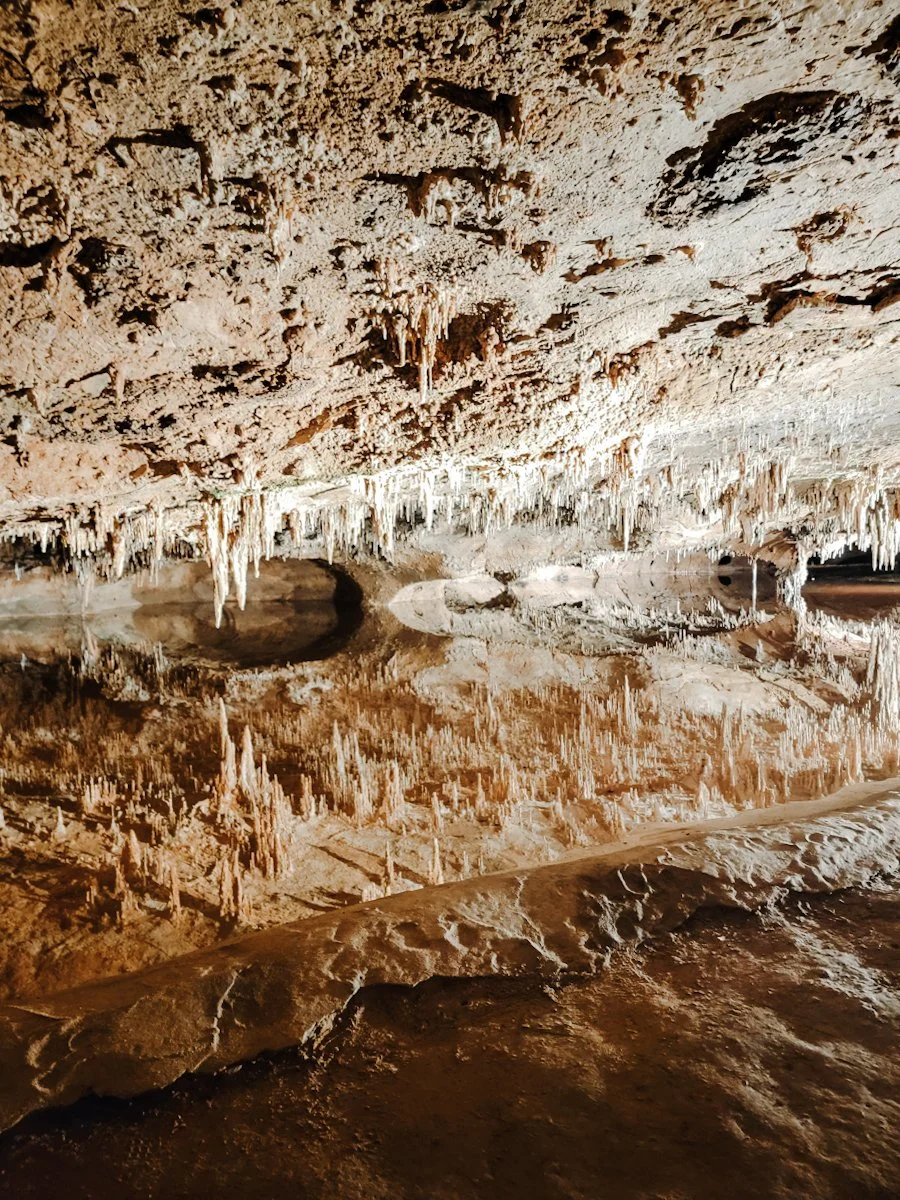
(279, 247)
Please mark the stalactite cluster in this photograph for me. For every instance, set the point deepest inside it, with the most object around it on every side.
(751, 500)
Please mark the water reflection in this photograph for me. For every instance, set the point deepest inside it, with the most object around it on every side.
(297, 611)
(158, 789)
(851, 588)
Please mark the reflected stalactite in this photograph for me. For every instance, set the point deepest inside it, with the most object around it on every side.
(370, 775)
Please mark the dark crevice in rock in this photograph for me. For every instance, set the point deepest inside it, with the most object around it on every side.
(15, 254)
(178, 138)
(886, 49)
(732, 165)
(501, 107)
(681, 320)
(28, 116)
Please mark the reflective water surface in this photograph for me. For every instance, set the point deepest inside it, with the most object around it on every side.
(164, 782)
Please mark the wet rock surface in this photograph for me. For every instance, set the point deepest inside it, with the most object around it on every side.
(282, 987)
(738, 1049)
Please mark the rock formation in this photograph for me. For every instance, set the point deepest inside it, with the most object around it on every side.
(439, 444)
(319, 272)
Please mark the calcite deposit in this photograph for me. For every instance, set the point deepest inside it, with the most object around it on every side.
(449, 529)
(323, 271)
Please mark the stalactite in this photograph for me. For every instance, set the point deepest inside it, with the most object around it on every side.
(414, 320)
(435, 869)
(247, 774)
(175, 910)
(389, 876)
(226, 890)
(883, 674)
(612, 485)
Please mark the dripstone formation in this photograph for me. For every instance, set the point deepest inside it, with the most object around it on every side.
(449, 598)
(374, 265)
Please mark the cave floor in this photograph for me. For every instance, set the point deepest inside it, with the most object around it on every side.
(741, 1056)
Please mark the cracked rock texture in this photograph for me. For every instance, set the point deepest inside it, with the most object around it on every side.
(274, 244)
(284, 987)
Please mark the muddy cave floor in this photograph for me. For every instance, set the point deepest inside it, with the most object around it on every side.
(742, 1055)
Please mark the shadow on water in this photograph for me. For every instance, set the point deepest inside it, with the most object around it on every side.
(851, 588)
(269, 632)
(297, 611)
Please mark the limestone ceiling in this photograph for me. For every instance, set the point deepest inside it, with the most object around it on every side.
(268, 244)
